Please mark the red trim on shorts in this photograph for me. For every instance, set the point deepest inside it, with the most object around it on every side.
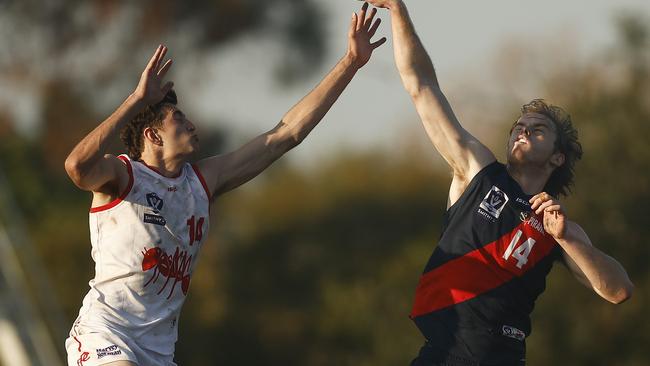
(205, 186)
(123, 195)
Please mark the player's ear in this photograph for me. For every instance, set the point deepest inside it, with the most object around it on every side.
(152, 135)
(557, 159)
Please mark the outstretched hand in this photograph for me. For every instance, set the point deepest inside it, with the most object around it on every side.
(362, 29)
(554, 216)
(150, 89)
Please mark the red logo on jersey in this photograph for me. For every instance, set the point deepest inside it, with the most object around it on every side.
(174, 267)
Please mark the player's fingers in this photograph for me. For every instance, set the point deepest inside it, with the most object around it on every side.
(165, 68)
(153, 59)
(362, 15)
(540, 207)
(554, 208)
(373, 29)
(544, 205)
(536, 202)
(378, 43)
(541, 195)
(353, 25)
(368, 21)
(161, 57)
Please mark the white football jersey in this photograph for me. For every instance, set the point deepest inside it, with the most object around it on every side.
(145, 246)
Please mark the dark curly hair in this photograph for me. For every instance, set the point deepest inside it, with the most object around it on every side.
(566, 142)
(152, 116)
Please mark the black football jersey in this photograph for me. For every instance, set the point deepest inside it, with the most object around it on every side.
(474, 299)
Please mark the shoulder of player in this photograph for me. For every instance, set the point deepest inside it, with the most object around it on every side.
(462, 180)
(118, 168)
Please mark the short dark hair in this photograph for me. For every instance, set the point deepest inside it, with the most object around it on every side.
(152, 116)
(566, 142)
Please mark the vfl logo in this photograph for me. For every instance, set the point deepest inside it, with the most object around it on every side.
(494, 202)
(155, 202)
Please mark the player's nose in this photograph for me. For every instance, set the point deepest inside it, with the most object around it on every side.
(190, 126)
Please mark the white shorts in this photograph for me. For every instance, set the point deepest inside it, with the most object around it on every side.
(99, 348)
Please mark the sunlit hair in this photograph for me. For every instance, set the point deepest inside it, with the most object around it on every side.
(152, 116)
(566, 142)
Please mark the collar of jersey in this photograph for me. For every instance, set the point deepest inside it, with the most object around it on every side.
(519, 190)
(156, 173)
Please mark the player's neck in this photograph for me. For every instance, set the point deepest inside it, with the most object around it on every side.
(531, 178)
(165, 166)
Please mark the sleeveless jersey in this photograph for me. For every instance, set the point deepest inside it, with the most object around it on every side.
(474, 299)
(145, 245)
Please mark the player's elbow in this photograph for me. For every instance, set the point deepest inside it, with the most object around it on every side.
(416, 88)
(73, 168)
(284, 138)
(623, 293)
(292, 140)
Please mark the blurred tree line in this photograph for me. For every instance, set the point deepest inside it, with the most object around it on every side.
(318, 266)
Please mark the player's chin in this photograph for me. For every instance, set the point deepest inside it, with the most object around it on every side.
(194, 149)
(190, 150)
(517, 156)
(194, 144)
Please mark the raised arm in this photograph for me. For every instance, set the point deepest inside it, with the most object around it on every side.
(87, 165)
(593, 268)
(225, 172)
(464, 153)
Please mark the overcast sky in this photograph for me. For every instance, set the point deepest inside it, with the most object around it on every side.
(467, 40)
(375, 111)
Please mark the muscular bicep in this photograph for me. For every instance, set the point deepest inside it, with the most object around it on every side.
(464, 153)
(116, 177)
(225, 172)
(106, 175)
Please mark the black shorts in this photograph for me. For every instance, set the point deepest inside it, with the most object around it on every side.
(432, 356)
